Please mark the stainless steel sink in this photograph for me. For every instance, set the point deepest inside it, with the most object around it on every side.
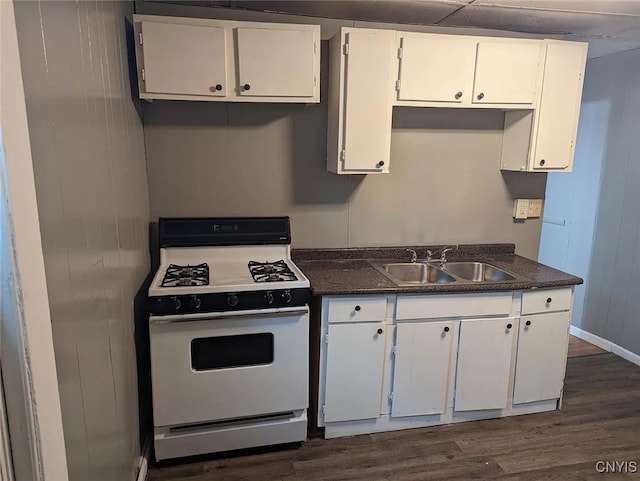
(477, 272)
(411, 273)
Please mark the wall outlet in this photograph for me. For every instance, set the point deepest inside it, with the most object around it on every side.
(535, 208)
(520, 208)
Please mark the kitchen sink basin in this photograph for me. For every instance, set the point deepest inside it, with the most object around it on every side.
(410, 273)
(477, 272)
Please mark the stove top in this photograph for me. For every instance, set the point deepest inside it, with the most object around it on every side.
(226, 274)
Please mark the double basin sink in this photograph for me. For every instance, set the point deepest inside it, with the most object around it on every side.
(416, 273)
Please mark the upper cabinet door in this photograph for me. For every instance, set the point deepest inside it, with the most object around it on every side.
(276, 63)
(367, 101)
(559, 106)
(184, 59)
(507, 72)
(437, 68)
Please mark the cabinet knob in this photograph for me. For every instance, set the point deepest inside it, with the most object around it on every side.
(357, 308)
(458, 95)
(380, 164)
(528, 323)
(218, 87)
(246, 87)
(542, 161)
(480, 96)
(380, 331)
(549, 300)
(509, 326)
(446, 329)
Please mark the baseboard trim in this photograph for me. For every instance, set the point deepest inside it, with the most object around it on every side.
(143, 464)
(606, 345)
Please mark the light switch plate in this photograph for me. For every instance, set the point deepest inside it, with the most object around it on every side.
(535, 208)
(520, 208)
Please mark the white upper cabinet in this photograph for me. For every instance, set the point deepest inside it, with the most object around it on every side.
(360, 101)
(184, 59)
(276, 63)
(507, 71)
(230, 61)
(543, 139)
(436, 68)
(559, 108)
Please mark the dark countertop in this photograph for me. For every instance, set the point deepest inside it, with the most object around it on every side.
(347, 271)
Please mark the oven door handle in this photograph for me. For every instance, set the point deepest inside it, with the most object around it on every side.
(215, 316)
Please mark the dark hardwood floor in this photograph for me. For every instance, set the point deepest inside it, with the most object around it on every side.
(599, 421)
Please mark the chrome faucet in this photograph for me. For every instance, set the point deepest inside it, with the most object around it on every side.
(414, 255)
(443, 253)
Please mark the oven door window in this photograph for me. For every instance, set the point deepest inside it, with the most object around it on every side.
(221, 352)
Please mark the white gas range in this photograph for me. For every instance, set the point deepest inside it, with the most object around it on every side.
(229, 333)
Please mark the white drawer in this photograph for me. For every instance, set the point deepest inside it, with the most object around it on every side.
(546, 300)
(454, 305)
(353, 309)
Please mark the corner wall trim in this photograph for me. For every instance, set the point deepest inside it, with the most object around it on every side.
(143, 464)
(606, 345)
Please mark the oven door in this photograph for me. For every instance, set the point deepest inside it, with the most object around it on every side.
(209, 367)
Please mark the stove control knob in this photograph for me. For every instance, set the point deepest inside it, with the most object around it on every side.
(177, 303)
(268, 298)
(286, 297)
(232, 300)
(194, 302)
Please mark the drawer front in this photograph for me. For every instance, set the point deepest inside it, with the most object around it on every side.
(353, 309)
(546, 300)
(454, 305)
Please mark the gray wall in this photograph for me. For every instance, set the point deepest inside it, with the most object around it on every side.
(88, 154)
(612, 302)
(445, 185)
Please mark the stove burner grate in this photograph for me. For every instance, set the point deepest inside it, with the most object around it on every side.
(271, 271)
(180, 276)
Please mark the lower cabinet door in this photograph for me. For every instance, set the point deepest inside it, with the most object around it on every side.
(541, 357)
(484, 363)
(355, 358)
(421, 369)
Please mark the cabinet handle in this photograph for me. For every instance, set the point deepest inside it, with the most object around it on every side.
(458, 95)
(480, 96)
(446, 329)
(357, 308)
(509, 326)
(528, 323)
(380, 331)
(246, 87)
(380, 164)
(218, 87)
(548, 300)
(542, 161)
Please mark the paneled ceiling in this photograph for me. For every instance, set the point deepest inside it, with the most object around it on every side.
(609, 25)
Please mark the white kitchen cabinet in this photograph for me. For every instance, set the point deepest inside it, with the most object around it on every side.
(276, 63)
(184, 59)
(423, 357)
(507, 72)
(484, 363)
(436, 68)
(543, 139)
(181, 58)
(541, 357)
(557, 118)
(361, 71)
(355, 358)
(468, 71)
